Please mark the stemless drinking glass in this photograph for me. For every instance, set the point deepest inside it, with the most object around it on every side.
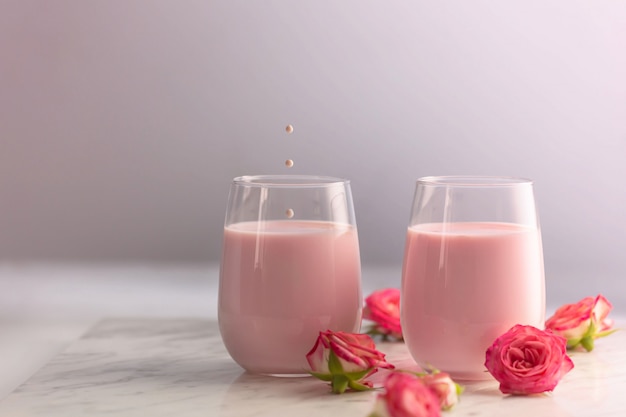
(473, 268)
(290, 269)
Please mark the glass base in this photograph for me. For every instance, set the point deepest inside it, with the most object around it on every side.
(471, 376)
(287, 375)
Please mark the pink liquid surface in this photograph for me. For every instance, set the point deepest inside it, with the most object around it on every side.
(281, 282)
(465, 285)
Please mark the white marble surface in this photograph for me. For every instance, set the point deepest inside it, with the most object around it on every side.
(165, 367)
(46, 306)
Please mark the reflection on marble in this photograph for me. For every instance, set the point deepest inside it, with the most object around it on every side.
(152, 367)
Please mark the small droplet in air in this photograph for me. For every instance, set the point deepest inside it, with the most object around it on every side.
(289, 129)
(289, 163)
(289, 213)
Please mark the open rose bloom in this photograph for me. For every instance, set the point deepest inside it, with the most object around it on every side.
(582, 322)
(383, 308)
(345, 360)
(527, 360)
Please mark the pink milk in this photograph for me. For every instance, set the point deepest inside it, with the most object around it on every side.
(281, 282)
(463, 285)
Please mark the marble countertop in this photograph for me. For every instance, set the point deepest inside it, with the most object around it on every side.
(164, 367)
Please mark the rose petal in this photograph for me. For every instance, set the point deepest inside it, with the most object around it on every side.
(602, 308)
(318, 357)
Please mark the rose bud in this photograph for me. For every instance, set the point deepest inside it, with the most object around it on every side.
(527, 360)
(406, 396)
(345, 359)
(383, 308)
(582, 322)
(445, 389)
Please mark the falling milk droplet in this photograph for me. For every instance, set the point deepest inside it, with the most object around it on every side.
(289, 129)
(289, 163)
(289, 213)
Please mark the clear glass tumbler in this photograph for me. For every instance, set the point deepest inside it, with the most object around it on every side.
(290, 269)
(473, 268)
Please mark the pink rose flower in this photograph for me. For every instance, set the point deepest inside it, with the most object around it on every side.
(445, 389)
(406, 396)
(383, 308)
(345, 359)
(526, 360)
(582, 322)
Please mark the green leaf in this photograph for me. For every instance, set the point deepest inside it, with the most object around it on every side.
(355, 376)
(572, 343)
(358, 387)
(591, 330)
(323, 377)
(339, 384)
(587, 343)
(334, 365)
(373, 331)
(605, 333)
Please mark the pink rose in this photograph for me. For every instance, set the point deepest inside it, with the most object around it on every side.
(445, 389)
(406, 396)
(582, 322)
(345, 359)
(383, 308)
(526, 360)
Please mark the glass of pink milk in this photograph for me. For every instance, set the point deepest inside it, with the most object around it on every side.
(473, 268)
(290, 269)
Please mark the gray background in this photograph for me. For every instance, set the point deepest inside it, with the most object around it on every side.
(123, 122)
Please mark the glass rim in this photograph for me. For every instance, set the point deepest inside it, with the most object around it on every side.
(473, 181)
(289, 180)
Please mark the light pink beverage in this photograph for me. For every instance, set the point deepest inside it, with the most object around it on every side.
(281, 283)
(463, 285)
